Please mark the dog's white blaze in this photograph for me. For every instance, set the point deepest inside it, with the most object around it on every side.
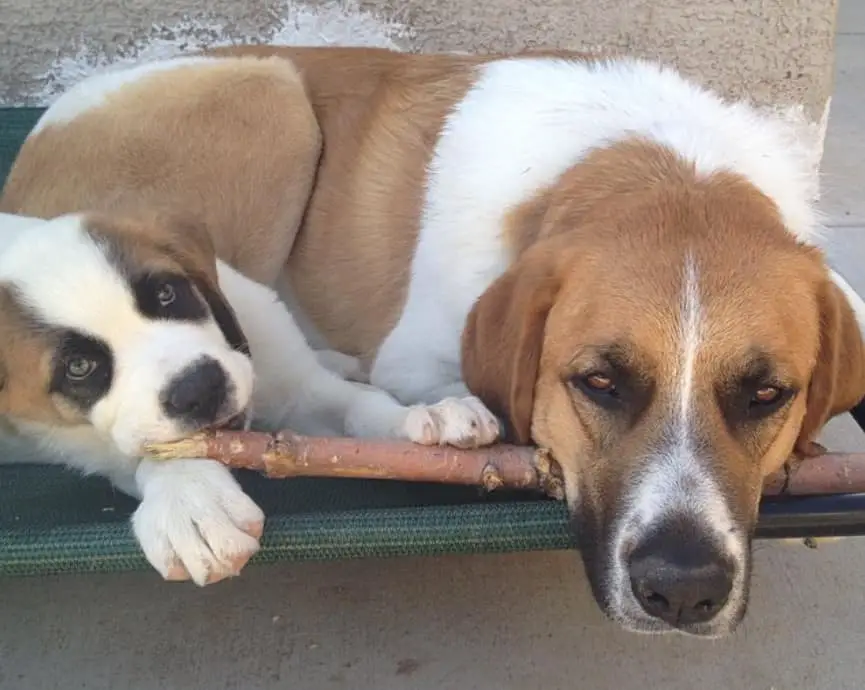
(677, 482)
(690, 323)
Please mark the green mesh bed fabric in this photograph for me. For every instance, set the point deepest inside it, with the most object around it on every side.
(55, 521)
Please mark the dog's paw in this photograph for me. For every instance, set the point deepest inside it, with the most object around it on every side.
(345, 366)
(195, 522)
(460, 422)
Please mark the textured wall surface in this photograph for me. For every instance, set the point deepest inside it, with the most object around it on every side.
(779, 52)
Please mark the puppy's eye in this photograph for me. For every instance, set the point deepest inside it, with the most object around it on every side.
(79, 368)
(82, 369)
(165, 295)
(168, 296)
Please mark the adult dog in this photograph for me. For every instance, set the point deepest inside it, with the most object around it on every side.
(620, 265)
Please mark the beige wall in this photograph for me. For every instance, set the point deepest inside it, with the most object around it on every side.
(779, 52)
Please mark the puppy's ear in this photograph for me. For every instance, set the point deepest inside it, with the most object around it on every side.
(188, 242)
(224, 316)
(838, 381)
(503, 339)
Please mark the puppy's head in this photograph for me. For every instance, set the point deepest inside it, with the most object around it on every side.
(119, 324)
(671, 347)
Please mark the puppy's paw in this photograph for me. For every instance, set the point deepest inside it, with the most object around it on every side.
(345, 366)
(460, 422)
(195, 522)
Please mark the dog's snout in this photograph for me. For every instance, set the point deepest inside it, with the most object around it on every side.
(197, 394)
(680, 580)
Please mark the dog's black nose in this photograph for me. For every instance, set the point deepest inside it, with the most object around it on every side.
(197, 393)
(682, 580)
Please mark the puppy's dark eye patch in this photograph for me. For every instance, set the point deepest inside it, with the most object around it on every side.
(83, 369)
(168, 296)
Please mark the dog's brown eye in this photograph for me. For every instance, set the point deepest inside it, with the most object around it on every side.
(767, 395)
(78, 368)
(600, 383)
(166, 294)
(599, 387)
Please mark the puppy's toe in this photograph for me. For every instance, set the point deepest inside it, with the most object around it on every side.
(460, 422)
(175, 571)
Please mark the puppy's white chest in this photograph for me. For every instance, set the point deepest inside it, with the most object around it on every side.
(79, 447)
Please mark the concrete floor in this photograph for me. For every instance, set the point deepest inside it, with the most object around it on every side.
(516, 622)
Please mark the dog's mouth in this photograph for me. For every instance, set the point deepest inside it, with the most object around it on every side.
(237, 421)
(240, 421)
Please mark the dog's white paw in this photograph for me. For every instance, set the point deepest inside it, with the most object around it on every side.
(345, 366)
(460, 422)
(195, 522)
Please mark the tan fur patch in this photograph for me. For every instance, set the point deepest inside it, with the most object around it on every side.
(26, 356)
(233, 144)
(371, 179)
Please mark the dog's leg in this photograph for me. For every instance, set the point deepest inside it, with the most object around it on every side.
(419, 364)
(293, 389)
(194, 521)
(345, 366)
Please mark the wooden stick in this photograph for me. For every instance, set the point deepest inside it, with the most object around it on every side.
(285, 454)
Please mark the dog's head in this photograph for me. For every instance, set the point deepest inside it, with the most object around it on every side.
(671, 345)
(119, 324)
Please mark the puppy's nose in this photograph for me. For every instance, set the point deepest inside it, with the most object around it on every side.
(681, 581)
(197, 393)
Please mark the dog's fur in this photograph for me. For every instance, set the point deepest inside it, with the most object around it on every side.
(620, 265)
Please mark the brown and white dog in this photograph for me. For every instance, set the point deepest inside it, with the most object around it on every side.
(619, 264)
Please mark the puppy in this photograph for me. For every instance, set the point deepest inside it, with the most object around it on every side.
(115, 333)
(617, 263)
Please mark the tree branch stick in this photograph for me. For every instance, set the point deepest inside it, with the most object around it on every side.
(285, 454)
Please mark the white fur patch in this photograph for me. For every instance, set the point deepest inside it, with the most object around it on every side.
(676, 484)
(195, 520)
(690, 320)
(461, 422)
(305, 391)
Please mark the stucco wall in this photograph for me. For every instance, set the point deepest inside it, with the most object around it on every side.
(778, 52)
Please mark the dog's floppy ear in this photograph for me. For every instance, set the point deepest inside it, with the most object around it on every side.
(503, 339)
(186, 239)
(838, 381)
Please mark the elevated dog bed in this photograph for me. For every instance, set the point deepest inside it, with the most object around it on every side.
(55, 521)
